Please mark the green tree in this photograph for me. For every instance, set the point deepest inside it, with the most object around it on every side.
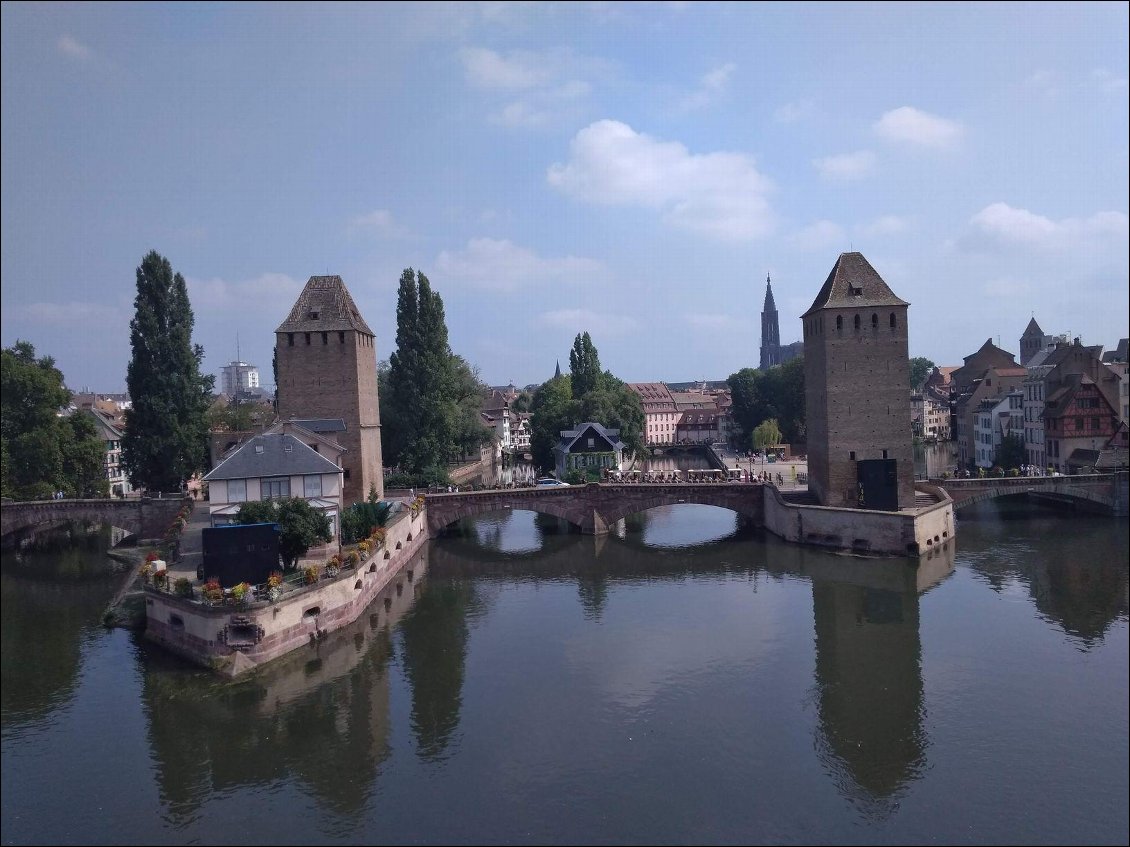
(766, 434)
(301, 526)
(776, 393)
(584, 366)
(1011, 453)
(920, 368)
(43, 452)
(552, 412)
(522, 401)
(748, 404)
(468, 390)
(166, 436)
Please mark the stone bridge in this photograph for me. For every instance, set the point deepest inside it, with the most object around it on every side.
(597, 506)
(1106, 493)
(145, 517)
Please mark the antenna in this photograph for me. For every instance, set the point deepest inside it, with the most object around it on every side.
(237, 347)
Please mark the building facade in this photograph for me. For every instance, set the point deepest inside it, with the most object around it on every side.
(327, 368)
(236, 377)
(857, 384)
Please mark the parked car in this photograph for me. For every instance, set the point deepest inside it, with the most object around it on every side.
(548, 481)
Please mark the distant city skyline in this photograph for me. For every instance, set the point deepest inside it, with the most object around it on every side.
(630, 170)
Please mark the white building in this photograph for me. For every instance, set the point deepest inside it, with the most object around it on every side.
(238, 376)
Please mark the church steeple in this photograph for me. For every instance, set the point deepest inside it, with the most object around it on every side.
(557, 373)
(770, 330)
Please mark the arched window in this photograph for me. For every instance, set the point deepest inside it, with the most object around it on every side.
(857, 323)
(839, 323)
(892, 320)
(874, 321)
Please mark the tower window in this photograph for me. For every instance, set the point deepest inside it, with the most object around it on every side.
(855, 291)
(884, 454)
(290, 339)
(839, 323)
(892, 320)
(874, 321)
(307, 337)
(340, 337)
(851, 455)
(856, 325)
(325, 338)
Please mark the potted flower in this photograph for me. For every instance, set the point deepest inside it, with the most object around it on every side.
(274, 586)
(160, 578)
(311, 573)
(145, 572)
(213, 591)
(241, 594)
(333, 565)
(365, 548)
(352, 559)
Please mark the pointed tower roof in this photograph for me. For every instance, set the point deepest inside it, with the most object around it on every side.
(1033, 328)
(853, 283)
(769, 306)
(324, 305)
(557, 373)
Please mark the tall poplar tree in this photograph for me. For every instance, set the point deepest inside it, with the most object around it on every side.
(584, 364)
(166, 436)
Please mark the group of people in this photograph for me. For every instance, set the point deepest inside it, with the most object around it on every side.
(58, 495)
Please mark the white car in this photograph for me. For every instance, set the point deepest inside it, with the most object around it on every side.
(548, 481)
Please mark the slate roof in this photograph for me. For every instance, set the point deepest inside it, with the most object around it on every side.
(569, 436)
(853, 283)
(769, 306)
(324, 305)
(320, 425)
(1118, 354)
(1033, 328)
(273, 459)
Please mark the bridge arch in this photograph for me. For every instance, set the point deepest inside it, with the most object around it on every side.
(145, 517)
(1098, 492)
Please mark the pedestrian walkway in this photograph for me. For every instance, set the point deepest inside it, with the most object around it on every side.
(191, 544)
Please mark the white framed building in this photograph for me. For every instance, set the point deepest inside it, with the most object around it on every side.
(238, 376)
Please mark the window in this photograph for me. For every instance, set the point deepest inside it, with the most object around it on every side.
(892, 320)
(237, 490)
(857, 323)
(313, 316)
(325, 338)
(839, 322)
(1094, 423)
(307, 337)
(874, 321)
(274, 487)
(290, 339)
(592, 443)
(341, 337)
(312, 485)
(1078, 423)
(851, 455)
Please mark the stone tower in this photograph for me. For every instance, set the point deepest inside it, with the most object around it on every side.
(857, 383)
(1031, 342)
(327, 368)
(770, 330)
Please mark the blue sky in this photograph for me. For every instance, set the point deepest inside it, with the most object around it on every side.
(630, 170)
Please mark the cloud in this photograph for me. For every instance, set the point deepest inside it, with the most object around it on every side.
(1004, 224)
(711, 87)
(583, 320)
(380, 222)
(71, 314)
(520, 70)
(72, 47)
(220, 295)
(718, 194)
(501, 265)
(791, 113)
(846, 166)
(1109, 82)
(913, 126)
(885, 225)
(820, 235)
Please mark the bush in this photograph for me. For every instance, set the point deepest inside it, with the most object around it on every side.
(576, 477)
(311, 573)
(352, 559)
(183, 587)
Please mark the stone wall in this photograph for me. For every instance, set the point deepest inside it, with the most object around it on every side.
(200, 633)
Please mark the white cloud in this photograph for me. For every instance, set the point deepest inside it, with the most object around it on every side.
(583, 320)
(380, 222)
(791, 113)
(884, 225)
(847, 166)
(913, 126)
(820, 235)
(501, 265)
(220, 295)
(520, 70)
(711, 87)
(73, 48)
(71, 314)
(1004, 224)
(1109, 82)
(719, 194)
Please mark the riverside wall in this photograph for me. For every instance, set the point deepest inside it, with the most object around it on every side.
(233, 641)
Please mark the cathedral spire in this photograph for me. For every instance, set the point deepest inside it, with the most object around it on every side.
(557, 373)
(770, 306)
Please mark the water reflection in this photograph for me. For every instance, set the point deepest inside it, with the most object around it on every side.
(1082, 587)
(319, 714)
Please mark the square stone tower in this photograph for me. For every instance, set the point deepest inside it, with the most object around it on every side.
(327, 368)
(857, 384)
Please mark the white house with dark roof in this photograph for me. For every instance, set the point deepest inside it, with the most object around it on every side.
(275, 465)
(588, 445)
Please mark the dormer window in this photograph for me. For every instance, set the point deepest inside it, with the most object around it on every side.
(855, 292)
(314, 316)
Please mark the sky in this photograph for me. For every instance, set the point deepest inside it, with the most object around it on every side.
(634, 171)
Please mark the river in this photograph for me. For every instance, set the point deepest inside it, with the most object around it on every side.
(681, 681)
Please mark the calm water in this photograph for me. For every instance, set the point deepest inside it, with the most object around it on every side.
(676, 683)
